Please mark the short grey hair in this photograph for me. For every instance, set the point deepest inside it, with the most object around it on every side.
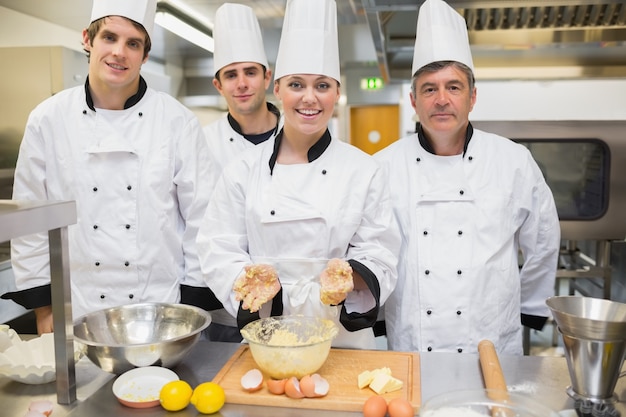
(439, 65)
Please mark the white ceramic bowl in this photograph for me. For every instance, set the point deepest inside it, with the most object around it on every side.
(140, 387)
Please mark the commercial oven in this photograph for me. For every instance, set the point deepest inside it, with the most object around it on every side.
(584, 163)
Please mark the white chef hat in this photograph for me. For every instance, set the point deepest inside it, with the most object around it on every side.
(308, 42)
(441, 35)
(141, 11)
(237, 36)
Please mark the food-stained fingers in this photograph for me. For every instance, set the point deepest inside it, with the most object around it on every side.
(256, 286)
(336, 282)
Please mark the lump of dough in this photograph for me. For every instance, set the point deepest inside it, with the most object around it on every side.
(336, 282)
(256, 286)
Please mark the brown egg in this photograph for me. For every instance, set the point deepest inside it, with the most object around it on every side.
(314, 386)
(252, 380)
(276, 386)
(375, 406)
(400, 407)
(292, 388)
(307, 386)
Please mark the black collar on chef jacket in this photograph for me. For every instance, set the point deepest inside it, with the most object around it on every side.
(427, 146)
(314, 152)
(262, 137)
(132, 100)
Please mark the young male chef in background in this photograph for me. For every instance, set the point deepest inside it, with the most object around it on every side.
(467, 202)
(242, 76)
(303, 224)
(132, 158)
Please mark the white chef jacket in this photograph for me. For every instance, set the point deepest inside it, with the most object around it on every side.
(138, 178)
(225, 144)
(463, 220)
(296, 218)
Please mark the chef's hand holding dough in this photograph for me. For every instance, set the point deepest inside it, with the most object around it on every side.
(256, 286)
(336, 281)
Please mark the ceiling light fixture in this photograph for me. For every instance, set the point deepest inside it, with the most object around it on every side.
(185, 23)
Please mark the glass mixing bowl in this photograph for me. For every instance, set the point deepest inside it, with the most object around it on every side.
(484, 402)
(285, 346)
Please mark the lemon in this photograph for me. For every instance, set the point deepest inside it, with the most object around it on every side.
(175, 395)
(208, 397)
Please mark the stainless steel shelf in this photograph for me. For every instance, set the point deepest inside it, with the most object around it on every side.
(20, 218)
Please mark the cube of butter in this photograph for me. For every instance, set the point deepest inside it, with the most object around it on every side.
(383, 383)
(366, 377)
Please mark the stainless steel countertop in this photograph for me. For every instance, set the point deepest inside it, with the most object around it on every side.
(544, 378)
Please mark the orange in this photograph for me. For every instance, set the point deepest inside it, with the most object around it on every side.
(208, 397)
(175, 395)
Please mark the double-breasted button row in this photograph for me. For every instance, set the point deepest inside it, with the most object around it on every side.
(128, 187)
(130, 296)
(430, 349)
(458, 272)
(140, 114)
(460, 232)
(126, 226)
(430, 311)
(469, 158)
(126, 263)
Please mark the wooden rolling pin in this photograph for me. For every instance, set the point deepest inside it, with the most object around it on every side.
(493, 376)
(490, 366)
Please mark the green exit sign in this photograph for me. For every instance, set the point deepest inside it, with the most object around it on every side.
(371, 83)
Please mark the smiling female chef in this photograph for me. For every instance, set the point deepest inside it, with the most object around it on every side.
(287, 207)
(132, 158)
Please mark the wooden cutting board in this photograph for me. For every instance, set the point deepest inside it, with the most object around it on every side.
(340, 369)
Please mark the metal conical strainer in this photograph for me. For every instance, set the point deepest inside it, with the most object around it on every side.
(594, 335)
(589, 318)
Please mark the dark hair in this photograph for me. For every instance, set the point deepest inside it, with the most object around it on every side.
(95, 26)
(439, 65)
(217, 74)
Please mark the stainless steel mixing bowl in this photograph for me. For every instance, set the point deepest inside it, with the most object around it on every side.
(122, 338)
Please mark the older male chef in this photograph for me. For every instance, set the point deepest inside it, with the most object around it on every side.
(132, 158)
(467, 202)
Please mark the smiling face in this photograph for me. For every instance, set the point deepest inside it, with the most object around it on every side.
(443, 100)
(116, 54)
(308, 103)
(243, 86)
